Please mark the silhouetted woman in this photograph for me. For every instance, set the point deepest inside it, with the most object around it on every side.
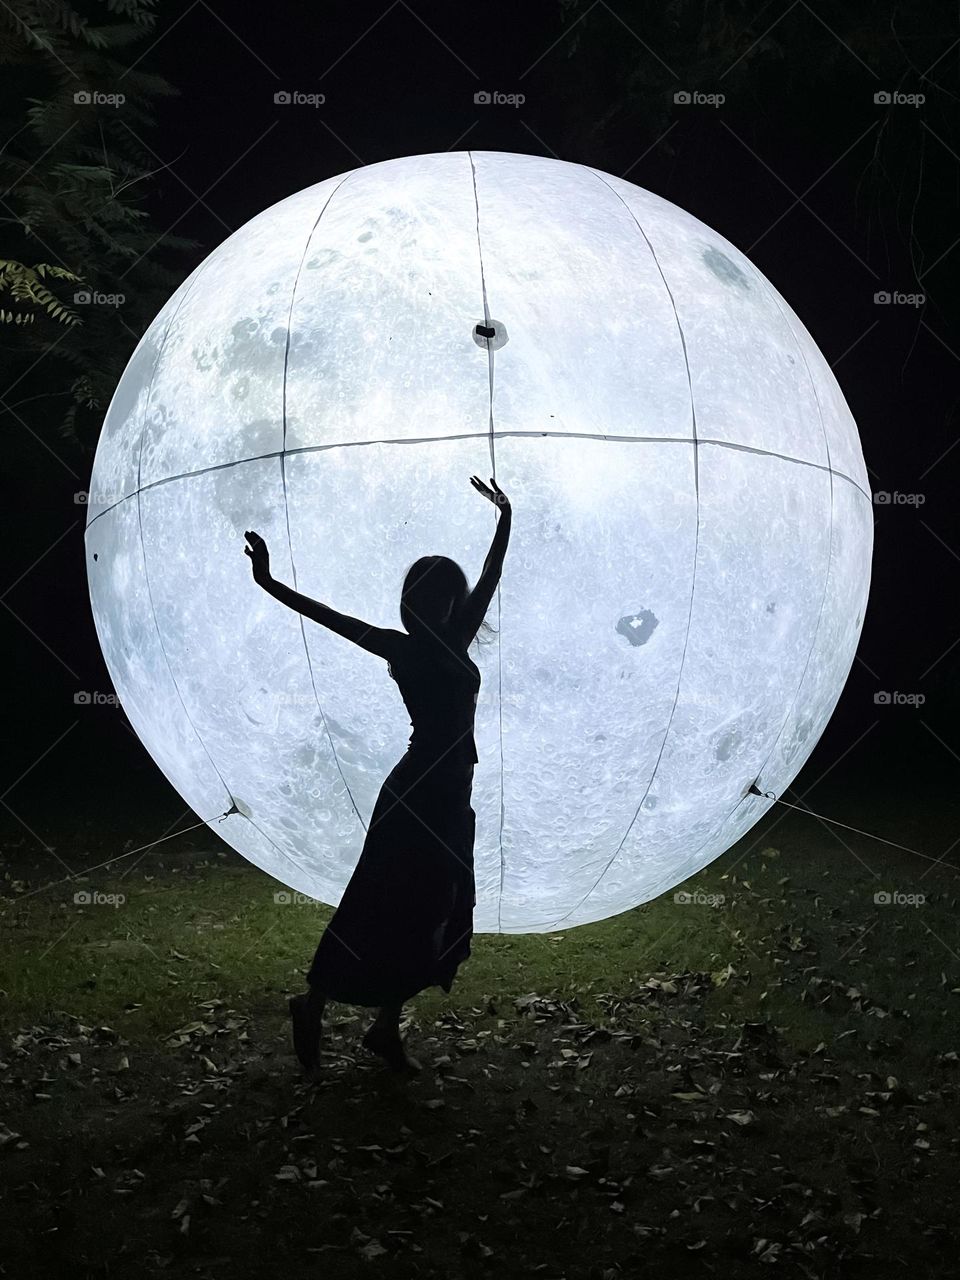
(406, 918)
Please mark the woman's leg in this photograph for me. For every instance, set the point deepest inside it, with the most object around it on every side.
(388, 1019)
(307, 1014)
(383, 1038)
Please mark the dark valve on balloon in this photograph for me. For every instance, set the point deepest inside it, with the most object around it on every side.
(490, 334)
(754, 790)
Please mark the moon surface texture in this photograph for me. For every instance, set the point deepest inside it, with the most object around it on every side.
(690, 561)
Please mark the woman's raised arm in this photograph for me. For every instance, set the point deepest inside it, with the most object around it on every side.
(379, 640)
(478, 601)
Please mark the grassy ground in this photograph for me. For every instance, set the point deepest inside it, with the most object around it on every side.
(765, 1085)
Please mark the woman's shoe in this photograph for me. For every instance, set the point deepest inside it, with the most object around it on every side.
(389, 1046)
(306, 1032)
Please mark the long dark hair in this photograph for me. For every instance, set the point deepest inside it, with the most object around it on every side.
(434, 592)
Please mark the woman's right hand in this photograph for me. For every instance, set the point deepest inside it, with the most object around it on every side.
(493, 493)
(259, 557)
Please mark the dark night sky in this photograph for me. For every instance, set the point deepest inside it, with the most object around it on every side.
(780, 173)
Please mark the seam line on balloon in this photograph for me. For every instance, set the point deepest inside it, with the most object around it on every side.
(493, 466)
(143, 550)
(696, 550)
(722, 824)
(826, 576)
(477, 435)
(270, 840)
(286, 504)
(166, 658)
(830, 471)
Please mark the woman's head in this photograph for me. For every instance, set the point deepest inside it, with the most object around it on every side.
(433, 592)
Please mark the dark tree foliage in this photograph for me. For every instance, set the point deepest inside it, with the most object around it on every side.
(75, 164)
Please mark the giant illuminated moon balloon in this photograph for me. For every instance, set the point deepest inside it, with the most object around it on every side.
(692, 534)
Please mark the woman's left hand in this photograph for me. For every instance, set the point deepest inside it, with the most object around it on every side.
(493, 493)
(259, 556)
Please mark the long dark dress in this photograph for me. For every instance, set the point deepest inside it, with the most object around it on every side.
(406, 917)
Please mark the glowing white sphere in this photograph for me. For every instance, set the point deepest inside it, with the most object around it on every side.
(692, 535)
